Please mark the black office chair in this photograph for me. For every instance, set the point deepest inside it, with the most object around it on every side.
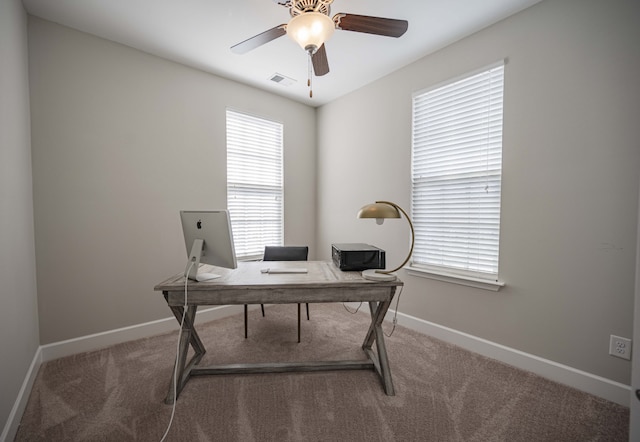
(286, 253)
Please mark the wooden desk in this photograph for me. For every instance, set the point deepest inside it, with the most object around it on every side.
(247, 285)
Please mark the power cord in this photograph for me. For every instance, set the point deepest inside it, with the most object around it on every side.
(344, 304)
(395, 315)
(175, 368)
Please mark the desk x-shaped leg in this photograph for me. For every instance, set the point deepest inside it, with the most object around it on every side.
(188, 336)
(375, 333)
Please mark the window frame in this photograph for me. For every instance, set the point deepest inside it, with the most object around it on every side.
(427, 265)
(259, 175)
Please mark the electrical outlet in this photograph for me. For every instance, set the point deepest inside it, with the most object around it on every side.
(620, 347)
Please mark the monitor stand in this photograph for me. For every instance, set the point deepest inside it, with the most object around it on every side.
(191, 271)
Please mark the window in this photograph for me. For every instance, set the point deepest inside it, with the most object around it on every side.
(254, 183)
(456, 176)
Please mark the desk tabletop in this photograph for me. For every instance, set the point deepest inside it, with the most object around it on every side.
(248, 275)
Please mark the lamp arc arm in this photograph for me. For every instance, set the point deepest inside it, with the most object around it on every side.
(412, 237)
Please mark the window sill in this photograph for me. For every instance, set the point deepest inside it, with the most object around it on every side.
(468, 281)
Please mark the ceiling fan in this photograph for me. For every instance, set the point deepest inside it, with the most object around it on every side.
(310, 26)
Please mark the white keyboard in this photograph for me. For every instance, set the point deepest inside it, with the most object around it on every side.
(285, 270)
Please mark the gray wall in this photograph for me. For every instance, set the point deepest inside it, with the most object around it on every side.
(571, 162)
(122, 141)
(18, 314)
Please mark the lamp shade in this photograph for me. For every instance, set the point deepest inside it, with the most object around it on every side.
(379, 210)
(310, 30)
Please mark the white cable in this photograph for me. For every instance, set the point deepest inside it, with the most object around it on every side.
(175, 368)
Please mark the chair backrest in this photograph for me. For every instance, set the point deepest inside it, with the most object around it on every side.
(286, 253)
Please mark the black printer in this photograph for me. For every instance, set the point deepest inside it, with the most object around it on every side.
(357, 256)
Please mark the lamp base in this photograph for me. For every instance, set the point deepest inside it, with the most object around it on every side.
(372, 275)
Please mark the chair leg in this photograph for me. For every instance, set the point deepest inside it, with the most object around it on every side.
(307, 312)
(298, 323)
(262, 307)
(245, 320)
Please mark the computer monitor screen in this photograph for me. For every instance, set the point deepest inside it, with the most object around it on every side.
(209, 240)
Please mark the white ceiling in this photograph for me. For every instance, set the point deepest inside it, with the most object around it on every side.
(199, 33)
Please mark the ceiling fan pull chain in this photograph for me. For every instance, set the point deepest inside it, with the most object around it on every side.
(309, 76)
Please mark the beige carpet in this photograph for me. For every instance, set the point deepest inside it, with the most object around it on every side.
(443, 393)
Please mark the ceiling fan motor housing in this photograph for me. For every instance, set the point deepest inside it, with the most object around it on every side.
(301, 6)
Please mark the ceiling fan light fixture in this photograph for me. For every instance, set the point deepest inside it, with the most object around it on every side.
(310, 30)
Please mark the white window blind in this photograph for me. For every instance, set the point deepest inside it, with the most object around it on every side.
(456, 175)
(254, 183)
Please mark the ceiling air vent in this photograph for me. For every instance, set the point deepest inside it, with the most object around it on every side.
(281, 79)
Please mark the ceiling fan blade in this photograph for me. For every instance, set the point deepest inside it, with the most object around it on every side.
(258, 40)
(320, 62)
(388, 27)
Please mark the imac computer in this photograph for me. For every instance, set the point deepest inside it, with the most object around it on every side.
(209, 240)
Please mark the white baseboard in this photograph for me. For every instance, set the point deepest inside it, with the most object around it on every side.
(13, 422)
(100, 340)
(563, 374)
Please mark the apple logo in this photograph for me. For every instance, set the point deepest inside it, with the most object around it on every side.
(199, 224)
